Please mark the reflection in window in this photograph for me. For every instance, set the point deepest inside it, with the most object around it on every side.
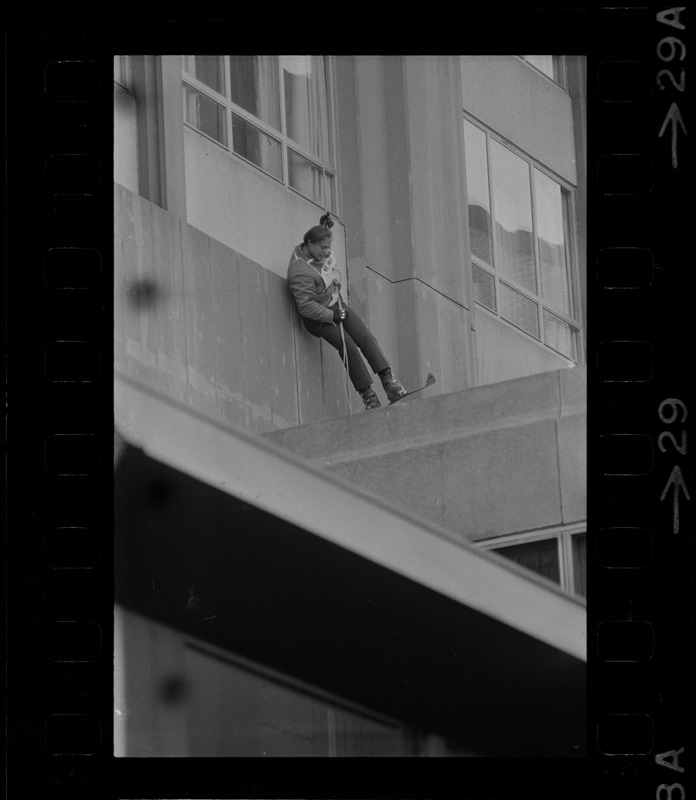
(307, 104)
(484, 287)
(513, 217)
(306, 177)
(209, 70)
(279, 109)
(551, 215)
(205, 114)
(561, 336)
(519, 220)
(255, 87)
(477, 186)
(253, 144)
(518, 309)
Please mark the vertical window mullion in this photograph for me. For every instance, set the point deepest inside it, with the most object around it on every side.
(574, 256)
(283, 132)
(562, 567)
(571, 254)
(567, 550)
(331, 82)
(537, 258)
(491, 202)
(228, 98)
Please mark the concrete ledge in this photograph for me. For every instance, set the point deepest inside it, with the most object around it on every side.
(427, 420)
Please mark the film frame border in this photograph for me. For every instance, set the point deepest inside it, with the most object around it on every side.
(641, 474)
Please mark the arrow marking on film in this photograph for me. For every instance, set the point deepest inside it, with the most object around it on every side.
(675, 118)
(676, 481)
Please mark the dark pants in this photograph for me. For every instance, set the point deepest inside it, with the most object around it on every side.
(357, 335)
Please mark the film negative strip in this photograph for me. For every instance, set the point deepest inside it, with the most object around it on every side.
(60, 543)
(59, 394)
(639, 656)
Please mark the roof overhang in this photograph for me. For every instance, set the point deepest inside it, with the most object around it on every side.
(324, 581)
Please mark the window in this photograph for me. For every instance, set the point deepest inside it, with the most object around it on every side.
(123, 71)
(560, 557)
(275, 112)
(519, 225)
(234, 709)
(552, 66)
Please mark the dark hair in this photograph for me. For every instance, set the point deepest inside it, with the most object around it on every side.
(319, 232)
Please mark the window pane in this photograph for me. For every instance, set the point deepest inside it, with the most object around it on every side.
(308, 104)
(484, 287)
(123, 71)
(254, 86)
(520, 310)
(357, 735)
(551, 218)
(205, 114)
(253, 144)
(560, 335)
(331, 189)
(547, 65)
(477, 189)
(512, 201)
(209, 70)
(540, 557)
(306, 177)
(236, 712)
(580, 563)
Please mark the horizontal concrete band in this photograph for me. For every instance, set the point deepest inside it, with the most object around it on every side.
(256, 471)
(550, 395)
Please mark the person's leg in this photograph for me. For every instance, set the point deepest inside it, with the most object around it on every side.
(366, 341)
(368, 344)
(358, 372)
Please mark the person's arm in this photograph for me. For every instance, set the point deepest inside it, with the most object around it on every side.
(304, 291)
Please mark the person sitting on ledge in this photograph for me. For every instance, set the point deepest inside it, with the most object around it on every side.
(315, 284)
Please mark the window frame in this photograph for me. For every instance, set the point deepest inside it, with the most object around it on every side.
(559, 64)
(413, 738)
(564, 538)
(571, 247)
(123, 72)
(329, 171)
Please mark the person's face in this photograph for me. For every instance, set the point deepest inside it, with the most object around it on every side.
(320, 251)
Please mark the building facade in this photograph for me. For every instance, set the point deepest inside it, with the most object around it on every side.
(457, 186)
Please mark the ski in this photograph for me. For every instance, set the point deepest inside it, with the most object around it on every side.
(429, 381)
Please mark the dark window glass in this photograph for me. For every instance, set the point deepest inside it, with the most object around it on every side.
(540, 557)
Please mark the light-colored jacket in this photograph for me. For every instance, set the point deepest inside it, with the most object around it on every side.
(311, 294)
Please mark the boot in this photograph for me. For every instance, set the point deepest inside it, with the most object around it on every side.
(392, 386)
(369, 397)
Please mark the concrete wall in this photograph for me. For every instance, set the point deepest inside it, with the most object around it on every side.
(524, 106)
(401, 148)
(220, 333)
(245, 209)
(503, 353)
(125, 139)
(489, 461)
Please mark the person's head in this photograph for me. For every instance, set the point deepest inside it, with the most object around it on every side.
(317, 241)
(317, 235)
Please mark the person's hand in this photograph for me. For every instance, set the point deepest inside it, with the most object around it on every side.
(340, 314)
